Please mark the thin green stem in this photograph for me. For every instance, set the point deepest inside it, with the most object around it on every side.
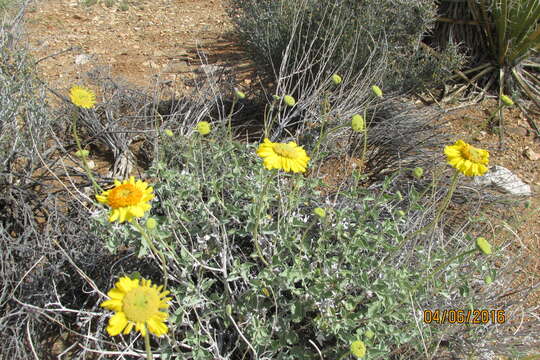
(149, 355)
(441, 209)
(156, 252)
(229, 118)
(97, 188)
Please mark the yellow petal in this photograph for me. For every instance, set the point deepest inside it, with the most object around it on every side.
(114, 305)
(157, 327)
(117, 323)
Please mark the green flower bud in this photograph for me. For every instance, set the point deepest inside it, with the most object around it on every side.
(319, 212)
(168, 132)
(151, 223)
(418, 172)
(358, 349)
(488, 280)
(82, 153)
(336, 79)
(507, 100)
(357, 123)
(203, 127)
(400, 213)
(399, 196)
(276, 98)
(377, 91)
(239, 94)
(369, 334)
(289, 100)
(483, 245)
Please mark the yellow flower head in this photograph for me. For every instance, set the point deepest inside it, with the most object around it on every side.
(467, 159)
(82, 97)
(137, 302)
(288, 157)
(358, 349)
(128, 199)
(203, 127)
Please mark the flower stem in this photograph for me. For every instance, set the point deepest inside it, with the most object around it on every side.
(149, 355)
(97, 188)
(156, 252)
(442, 208)
(229, 118)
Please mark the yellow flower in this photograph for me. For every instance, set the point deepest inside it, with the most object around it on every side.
(82, 97)
(128, 199)
(358, 349)
(288, 157)
(467, 159)
(203, 127)
(137, 303)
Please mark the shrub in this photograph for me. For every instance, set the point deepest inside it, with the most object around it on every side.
(361, 32)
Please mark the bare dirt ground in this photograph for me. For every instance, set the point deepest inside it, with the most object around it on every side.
(157, 42)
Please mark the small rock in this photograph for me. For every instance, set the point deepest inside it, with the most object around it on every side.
(503, 179)
(82, 59)
(531, 155)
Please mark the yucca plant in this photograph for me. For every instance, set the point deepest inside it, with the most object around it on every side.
(503, 39)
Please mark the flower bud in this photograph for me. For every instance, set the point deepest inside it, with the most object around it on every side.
(369, 334)
(507, 100)
(289, 100)
(82, 153)
(239, 94)
(151, 223)
(319, 212)
(358, 349)
(418, 172)
(400, 213)
(357, 123)
(336, 79)
(203, 127)
(488, 280)
(483, 245)
(377, 91)
(168, 132)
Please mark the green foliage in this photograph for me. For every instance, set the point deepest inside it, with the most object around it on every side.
(362, 34)
(330, 280)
